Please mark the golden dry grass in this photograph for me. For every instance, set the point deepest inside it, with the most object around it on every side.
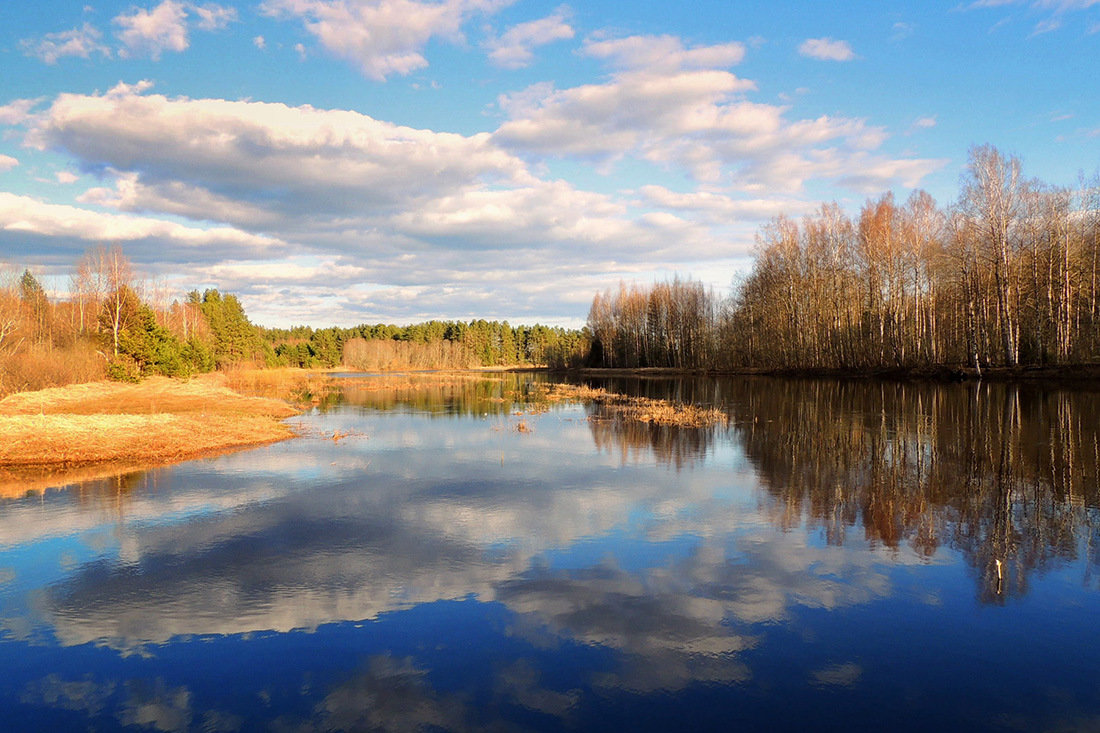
(640, 409)
(160, 420)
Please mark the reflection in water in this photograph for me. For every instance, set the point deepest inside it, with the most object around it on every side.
(634, 440)
(814, 562)
(1006, 474)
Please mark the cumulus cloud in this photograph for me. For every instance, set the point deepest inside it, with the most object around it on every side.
(150, 32)
(390, 207)
(82, 42)
(26, 222)
(381, 37)
(513, 50)
(826, 49)
(166, 27)
(273, 157)
(260, 165)
(7, 163)
(697, 119)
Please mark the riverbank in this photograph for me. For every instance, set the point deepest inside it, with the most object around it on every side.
(157, 421)
(1074, 373)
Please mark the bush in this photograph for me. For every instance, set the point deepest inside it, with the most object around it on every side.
(124, 369)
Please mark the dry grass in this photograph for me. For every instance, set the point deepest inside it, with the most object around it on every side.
(300, 385)
(639, 409)
(36, 366)
(160, 420)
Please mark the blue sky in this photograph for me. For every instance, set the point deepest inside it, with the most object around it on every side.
(348, 161)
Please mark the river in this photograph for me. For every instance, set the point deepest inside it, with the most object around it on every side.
(442, 554)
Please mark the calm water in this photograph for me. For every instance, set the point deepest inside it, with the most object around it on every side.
(841, 556)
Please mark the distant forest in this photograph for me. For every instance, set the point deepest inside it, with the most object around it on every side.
(1006, 276)
(114, 325)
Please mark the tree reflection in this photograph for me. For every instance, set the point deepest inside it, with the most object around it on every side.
(1004, 473)
(632, 440)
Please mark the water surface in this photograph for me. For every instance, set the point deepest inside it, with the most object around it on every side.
(842, 555)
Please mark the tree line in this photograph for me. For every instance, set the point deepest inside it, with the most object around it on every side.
(113, 324)
(1006, 276)
(429, 345)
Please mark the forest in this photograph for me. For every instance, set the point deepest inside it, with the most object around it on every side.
(113, 324)
(1007, 276)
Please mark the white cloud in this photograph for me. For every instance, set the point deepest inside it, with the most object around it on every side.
(150, 32)
(922, 123)
(17, 112)
(826, 49)
(721, 209)
(83, 42)
(513, 49)
(75, 228)
(381, 37)
(698, 120)
(637, 111)
(663, 52)
(271, 159)
(167, 26)
(7, 163)
(67, 177)
(214, 17)
(259, 42)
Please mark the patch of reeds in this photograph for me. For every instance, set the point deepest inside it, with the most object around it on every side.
(639, 409)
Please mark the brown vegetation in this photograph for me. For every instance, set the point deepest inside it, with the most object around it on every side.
(639, 409)
(1006, 277)
(160, 420)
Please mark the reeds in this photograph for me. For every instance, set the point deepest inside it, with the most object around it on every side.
(640, 409)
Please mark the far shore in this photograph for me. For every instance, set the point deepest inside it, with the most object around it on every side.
(1074, 373)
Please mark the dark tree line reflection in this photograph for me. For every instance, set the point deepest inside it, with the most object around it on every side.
(1004, 473)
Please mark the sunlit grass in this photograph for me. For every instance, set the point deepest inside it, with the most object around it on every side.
(640, 409)
(159, 420)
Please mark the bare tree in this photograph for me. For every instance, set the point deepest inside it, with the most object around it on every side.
(991, 198)
(118, 278)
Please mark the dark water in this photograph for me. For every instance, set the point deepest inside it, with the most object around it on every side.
(844, 555)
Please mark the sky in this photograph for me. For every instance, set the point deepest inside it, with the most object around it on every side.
(336, 162)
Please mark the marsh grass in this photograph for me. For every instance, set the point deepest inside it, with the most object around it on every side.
(638, 409)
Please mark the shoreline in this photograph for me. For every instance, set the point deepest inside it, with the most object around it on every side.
(1056, 374)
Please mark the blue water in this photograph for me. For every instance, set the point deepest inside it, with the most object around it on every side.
(829, 561)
